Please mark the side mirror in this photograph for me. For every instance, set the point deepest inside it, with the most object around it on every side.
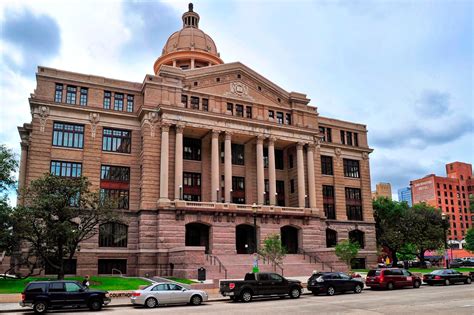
(183, 289)
(82, 290)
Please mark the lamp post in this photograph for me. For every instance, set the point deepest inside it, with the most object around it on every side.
(180, 192)
(218, 198)
(255, 248)
(264, 200)
(230, 192)
(306, 201)
(445, 218)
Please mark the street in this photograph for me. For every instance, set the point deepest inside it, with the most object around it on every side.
(454, 299)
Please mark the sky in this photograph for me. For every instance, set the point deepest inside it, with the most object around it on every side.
(403, 68)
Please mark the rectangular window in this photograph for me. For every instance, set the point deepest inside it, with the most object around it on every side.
(326, 134)
(71, 94)
(349, 137)
(192, 149)
(280, 190)
(107, 96)
(356, 139)
(184, 100)
(114, 174)
(248, 111)
(115, 140)
(288, 119)
(266, 190)
(66, 169)
(328, 202)
(353, 204)
(280, 118)
(343, 137)
(279, 165)
(292, 186)
(68, 135)
(326, 165)
(118, 101)
(58, 94)
(238, 154)
(238, 190)
(130, 100)
(271, 114)
(239, 110)
(290, 161)
(115, 184)
(194, 102)
(351, 168)
(118, 196)
(205, 104)
(191, 186)
(110, 266)
(230, 108)
(265, 157)
(83, 98)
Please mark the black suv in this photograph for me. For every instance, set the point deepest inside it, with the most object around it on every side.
(42, 295)
(332, 282)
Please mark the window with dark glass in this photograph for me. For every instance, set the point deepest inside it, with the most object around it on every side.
(118, 196)
(288, 119)
(343, 137)
(66, 169)
(184, 100)
(194, 102)
(326, 133)
(107, 96)
(328, 202)
(266, 190)
(230, 108)
(326, 165)
(356, 139)
(292, 186)
(192, 186)
(271, 114)
(205, 104)
(238, 154)
(58, 94)
(130, 101)
(265, 157)
(353, 204)
(83, 97)
(118, 101)
(115, 184)
(349, 137)
(68, 135)
(331, 238)
(239, 110)
(238, 190)
(290, 161)
(279, 164)
(71, 94)
(110, 266)
(280, 117)
(280, 190)
(113, 235)
(248, 111)
(115, 140)
(357, 236)
(351, 168)
(192, 149)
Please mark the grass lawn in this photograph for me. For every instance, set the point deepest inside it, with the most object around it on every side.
(422, 270)
(101, 283)
(181, 280)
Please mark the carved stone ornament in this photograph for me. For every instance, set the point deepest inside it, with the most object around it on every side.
(150, 120)
(94, 119)
(338, 153)
(239, 89)
(365, 155)
(42, 113)
(317, 141)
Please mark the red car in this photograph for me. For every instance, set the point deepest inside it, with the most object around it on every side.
(392, 278)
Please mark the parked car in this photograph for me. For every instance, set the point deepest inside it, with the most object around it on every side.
(332, 282)
(391, 278)
(260, 284)
(446, 277)
(468, 262)
(456, 263)
(44, 295)
(418, 264)
(167, 293)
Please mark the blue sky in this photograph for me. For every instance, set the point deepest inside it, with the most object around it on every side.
(403, 68)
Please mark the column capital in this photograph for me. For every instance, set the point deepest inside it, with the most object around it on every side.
(311, 146)
(271, 140)
(165, 125)
(228, 135)
(180, 127)
(260, 138)
(300, 145)
(215, 133)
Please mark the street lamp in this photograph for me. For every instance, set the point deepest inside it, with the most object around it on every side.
(306, 201)
(217, 195)
(445, 218)
(180, 192)
(255, 249)
(230, 193)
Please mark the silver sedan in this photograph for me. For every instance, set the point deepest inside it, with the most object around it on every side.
(167, 293)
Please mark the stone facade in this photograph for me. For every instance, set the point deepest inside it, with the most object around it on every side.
(283, 139)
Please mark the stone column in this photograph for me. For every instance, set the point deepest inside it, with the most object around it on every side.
(311, 177)
(271, 171)
(192, 63)
(164, 165)
(227, 167)
(215, 174)
(260, 172)
(300, 165)
(174, 63)
(178, 169)
(22, 176)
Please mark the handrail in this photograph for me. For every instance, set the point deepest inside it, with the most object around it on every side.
(315, 257)
(212, 259)
(275, 264)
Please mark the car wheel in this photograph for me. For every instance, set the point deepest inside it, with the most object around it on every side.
(390, 286)
(246, 296)
(468, 281)
(416, 284)
(40, 307)
(447, 282)
(330, 291)
(358, 288)
(151, 302)
(95, 305)
(295, 293)
(196, 300)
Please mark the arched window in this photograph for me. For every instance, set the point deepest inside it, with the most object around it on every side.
(331, 238)
(357, 236)
(113, 235)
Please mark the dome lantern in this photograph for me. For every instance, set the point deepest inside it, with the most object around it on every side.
(190, 18)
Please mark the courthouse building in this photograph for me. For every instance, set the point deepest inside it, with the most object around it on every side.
(192, 154)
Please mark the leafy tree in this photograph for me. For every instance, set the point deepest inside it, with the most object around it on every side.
(346, 251)
(471, 202)
(406, 252)
(469, 240)
(59, 213)
(8, 166)
(273, 249)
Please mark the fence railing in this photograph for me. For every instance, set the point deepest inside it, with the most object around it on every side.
(214, 260)
(314, 258)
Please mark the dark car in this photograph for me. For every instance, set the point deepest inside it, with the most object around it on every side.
(446, 277)
(468, 262)
(456, 263)
(392, 278)
(43, 295)
(332, 282)
(260, 284)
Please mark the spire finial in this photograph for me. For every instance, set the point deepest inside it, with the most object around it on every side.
(190, 6)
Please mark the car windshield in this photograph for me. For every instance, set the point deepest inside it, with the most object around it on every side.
(148, 286)
(373, 273)
(437, 272)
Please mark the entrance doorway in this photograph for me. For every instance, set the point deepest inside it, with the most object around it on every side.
(197, 234)
(245, 239)
(289, 238)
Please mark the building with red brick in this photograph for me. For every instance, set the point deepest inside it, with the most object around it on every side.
(195, 152)
(451, 195)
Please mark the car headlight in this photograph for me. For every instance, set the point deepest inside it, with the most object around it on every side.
(107, 294)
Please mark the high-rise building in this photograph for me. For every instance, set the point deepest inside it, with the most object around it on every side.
(382, 190)
(404, 194)
(195, 151)
(450, 194)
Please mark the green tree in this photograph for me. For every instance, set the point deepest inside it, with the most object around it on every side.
(273, 250)
(471, 202)
(8, 166)
(406, 252)
(58, 214)
(346, 251)
(469, 240)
